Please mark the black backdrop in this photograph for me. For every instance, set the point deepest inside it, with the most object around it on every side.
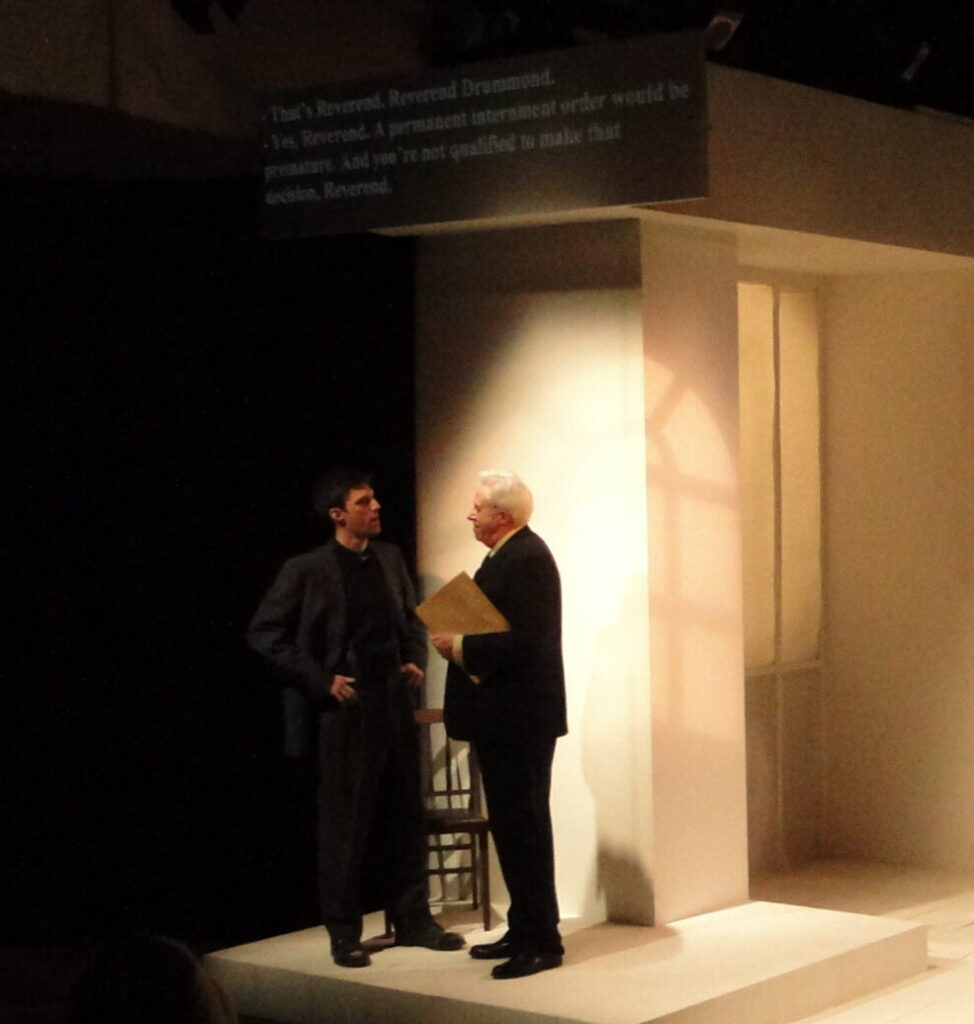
(171, 385)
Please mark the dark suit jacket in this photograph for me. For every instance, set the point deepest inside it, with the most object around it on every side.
(521, 692)
(300, 630)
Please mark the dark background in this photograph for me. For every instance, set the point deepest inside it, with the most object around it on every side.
(172, 384)
(904, 53)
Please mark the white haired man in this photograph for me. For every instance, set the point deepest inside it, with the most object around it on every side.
(505, 693)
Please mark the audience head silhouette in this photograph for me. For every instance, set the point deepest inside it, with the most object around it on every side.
(148, 979)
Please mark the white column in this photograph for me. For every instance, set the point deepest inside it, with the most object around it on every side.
(699, 817)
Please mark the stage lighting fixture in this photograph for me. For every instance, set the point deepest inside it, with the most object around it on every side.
(909, 72)
(722, 26)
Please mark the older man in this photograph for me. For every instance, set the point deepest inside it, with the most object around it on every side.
(338, 629)
(505, 693)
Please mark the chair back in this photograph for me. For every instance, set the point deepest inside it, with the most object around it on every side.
(455, 821)
(448, 769)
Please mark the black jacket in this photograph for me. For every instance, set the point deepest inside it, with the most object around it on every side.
(300, 629)
(521, 693)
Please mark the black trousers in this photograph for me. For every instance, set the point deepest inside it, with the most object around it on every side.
(517, 784)
(372, 848)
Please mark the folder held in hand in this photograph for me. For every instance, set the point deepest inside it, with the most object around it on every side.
(460, 606)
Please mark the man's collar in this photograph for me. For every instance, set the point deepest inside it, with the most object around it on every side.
(507, 536)
(348, 547)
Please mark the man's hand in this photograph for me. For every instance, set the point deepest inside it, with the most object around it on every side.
(343, 688)
(414, 675)
(443, 642)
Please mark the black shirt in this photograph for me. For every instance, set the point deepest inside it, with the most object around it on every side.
(372, 649)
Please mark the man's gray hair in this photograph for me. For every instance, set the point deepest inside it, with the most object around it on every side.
(508, 491)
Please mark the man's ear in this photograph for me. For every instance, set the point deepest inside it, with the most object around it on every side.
(337, 516)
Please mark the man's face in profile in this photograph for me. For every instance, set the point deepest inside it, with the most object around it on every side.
(361, 513)
(489, 523)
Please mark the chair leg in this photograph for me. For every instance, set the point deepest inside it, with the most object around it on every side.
(441, 864)
(474, 871)
(484, 878)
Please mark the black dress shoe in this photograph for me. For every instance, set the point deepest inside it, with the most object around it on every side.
(523, 964)
(502, 949)
(430, 935)
(350, 953)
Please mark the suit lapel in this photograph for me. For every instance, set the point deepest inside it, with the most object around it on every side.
(484, 571)
(490, 564)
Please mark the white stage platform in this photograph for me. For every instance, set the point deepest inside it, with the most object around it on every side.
(758, 963)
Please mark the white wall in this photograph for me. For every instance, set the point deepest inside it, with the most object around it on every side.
(554, 351)
(899, 453)
(788, 156)
(530, 358)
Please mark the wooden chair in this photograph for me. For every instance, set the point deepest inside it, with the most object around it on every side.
(455, 820)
